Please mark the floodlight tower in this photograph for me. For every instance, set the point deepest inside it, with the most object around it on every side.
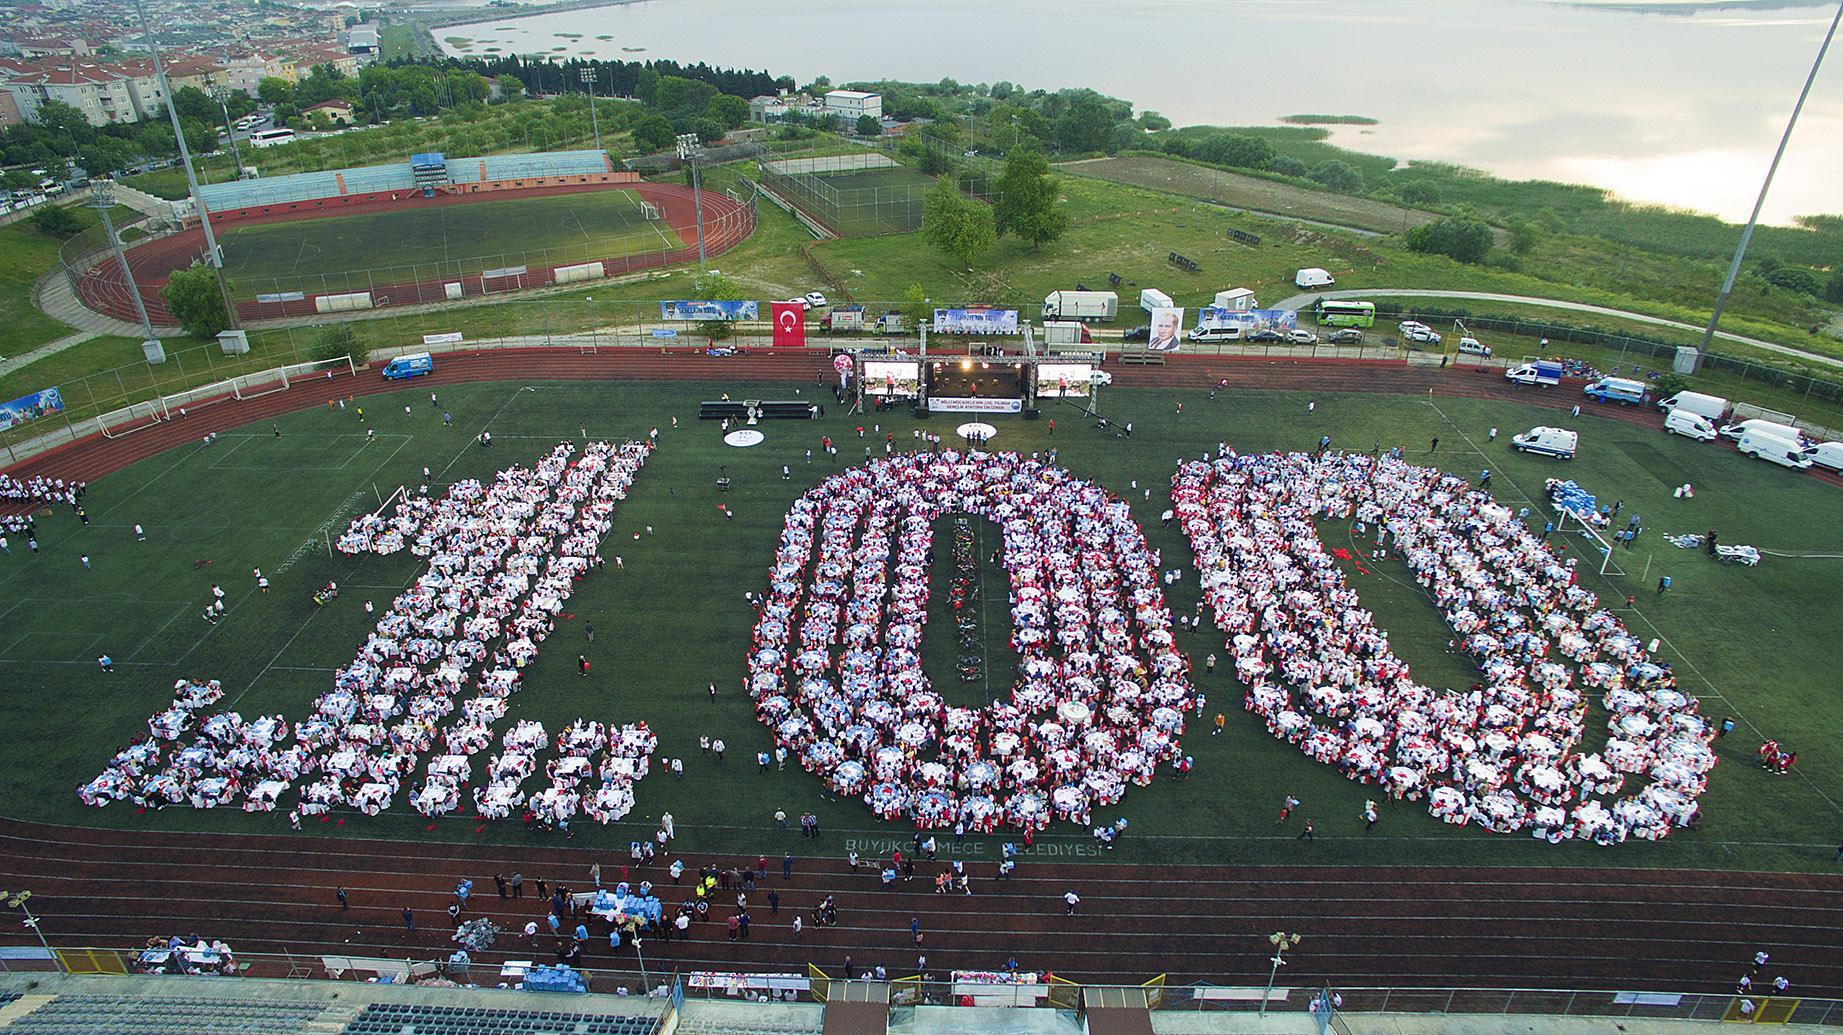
(588, 80)
(220, 92)
(213, 257)
(102, 195)
(1282, 941)
(688, 153)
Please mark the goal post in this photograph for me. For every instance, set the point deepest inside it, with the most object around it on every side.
(1607, 564)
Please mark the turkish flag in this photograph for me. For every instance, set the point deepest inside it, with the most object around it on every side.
(789, 325)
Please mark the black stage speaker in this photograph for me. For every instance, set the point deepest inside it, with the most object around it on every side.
(1032, 413)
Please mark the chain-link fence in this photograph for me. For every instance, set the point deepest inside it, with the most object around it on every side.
(852, 195)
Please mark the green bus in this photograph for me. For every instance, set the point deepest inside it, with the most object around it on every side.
(1332, 313)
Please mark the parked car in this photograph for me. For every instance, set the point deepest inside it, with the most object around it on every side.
(815, 300)
(1266, 337)
(1345, 336)
(800, 300)
(1302, 337)
(1420, 332)
(1474, 347)
(1143, 332)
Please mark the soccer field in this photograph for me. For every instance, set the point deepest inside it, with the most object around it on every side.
(335, 252)
(670, 617)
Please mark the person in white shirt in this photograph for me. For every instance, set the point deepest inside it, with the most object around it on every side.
(1072, 899)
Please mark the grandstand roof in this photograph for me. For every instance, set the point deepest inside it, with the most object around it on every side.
(311, 186)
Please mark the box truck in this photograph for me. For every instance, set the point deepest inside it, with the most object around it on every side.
(846, 318)
(1081, 305)
(1152, 298)
(1622, 390)
(409, 366)
(890, 322)
(1237, 300)
(1714, 407)
(1546, 373)
(1066, 332)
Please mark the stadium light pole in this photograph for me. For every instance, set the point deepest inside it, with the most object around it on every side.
(1281, 942)
(19, 899)
(221, 93)
(1734, 268)
(588, 80)
(213, 257)
(102, 195)
(688, 152)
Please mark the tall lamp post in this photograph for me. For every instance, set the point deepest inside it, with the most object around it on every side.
(213, 257)
(1734, 268)
(102, 195)
(221, 94)
(18, 899)
(588, 81)
(1281, 942)
(688, 153)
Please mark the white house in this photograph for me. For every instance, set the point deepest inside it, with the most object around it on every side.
(850, 104)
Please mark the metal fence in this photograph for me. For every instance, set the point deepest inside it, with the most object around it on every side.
(847, 211)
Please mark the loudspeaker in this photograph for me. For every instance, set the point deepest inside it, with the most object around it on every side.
(1032, 413)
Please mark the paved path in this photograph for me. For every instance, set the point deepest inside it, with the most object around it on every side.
(1303, 301)
(7, 366)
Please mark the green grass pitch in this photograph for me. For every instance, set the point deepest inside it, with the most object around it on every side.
(1756, 643)
(463, 239)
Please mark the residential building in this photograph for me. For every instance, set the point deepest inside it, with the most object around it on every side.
(337, 110)
(850, 104)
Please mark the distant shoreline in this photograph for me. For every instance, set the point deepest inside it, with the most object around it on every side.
(482, 15)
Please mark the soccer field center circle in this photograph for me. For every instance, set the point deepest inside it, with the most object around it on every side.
(475, 265)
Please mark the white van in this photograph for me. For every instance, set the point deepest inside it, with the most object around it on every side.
(1474, 347)
(1784, 452)
(1228, 333)
(1552, 441)
(1313, 277)
(1714, 407)
(1689, 424)
(1830, 454)
(1771, 427)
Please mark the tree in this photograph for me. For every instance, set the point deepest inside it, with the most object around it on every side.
(681, 96)
(1419, 192)
(339, 341)
(1287, 165)
(1085, 126)
(1027, 200)
(1795, 278)
(1525, 235)
(1833, 289)
(709, 131)
(193, 296)
(1456, 237)
(730, 111)
(1152, 121)
(274, 90)
(956, 226)
(1236, 149)
(56, 221)
(511, 87)
(868, 126)
(653, 133)
(1339, 176)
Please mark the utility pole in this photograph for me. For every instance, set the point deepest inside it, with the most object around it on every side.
(1281, 942)
(1740, 252)
(18, 898)
(221, 93)
(213, 257)
(588, 80)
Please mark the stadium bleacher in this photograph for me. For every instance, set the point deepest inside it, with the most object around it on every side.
(421, 1019)
(313, 186)
(81, 1014)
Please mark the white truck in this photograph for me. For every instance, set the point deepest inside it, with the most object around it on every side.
(890, 322)
(1714, 407)
(1066, 332)
(1152, 298)
(1544, 372)
(1313, 277)
(846, 318)
(1081, 305)
(1236, 300)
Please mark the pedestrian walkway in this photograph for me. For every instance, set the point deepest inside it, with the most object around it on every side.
(13, 363)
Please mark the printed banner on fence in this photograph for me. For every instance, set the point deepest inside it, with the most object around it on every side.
(708, 311)
(31, 407)
(1249, 320)
(975, 321)
(961, 404)
(1167, 329)
(789, 325)
(449, 338)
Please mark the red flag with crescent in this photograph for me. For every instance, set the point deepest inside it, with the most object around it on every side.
(789, 325)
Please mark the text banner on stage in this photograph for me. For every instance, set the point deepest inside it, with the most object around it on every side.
(789, 325)
(937, 404)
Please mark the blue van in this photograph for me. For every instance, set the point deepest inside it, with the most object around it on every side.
(409, 366)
